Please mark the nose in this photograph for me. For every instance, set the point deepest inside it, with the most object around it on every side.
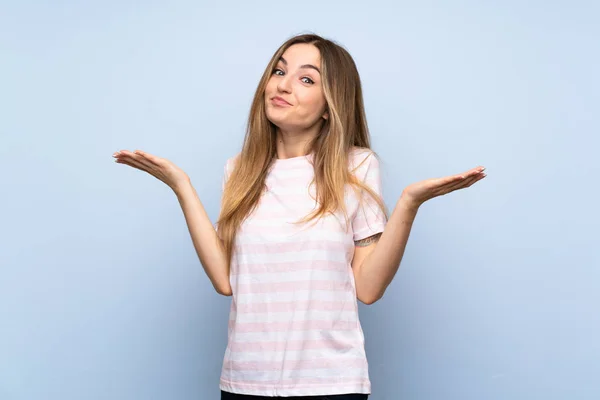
(284, 84)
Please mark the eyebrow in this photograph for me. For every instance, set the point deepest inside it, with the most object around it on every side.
(302, 66)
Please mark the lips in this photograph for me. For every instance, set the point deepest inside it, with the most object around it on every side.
(280, 101)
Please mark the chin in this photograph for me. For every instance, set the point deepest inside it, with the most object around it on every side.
(277, 118)
(277, 123)
(281, 123)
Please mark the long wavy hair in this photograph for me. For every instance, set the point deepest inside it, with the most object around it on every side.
(345, 128)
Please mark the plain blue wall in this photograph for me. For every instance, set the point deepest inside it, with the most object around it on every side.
(101, 293)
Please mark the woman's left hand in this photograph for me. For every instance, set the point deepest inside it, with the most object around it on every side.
(419, 192)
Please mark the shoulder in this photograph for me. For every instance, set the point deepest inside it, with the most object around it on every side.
(361, 159)
(231, 162)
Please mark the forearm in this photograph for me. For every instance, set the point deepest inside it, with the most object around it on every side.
(204, 237)
(380, 266)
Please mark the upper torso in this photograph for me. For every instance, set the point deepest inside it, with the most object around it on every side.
(294, 328)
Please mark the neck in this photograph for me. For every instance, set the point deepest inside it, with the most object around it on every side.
(294, 143)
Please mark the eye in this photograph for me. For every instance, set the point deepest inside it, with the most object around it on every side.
(305, 79)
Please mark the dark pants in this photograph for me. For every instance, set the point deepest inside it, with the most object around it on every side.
(353, 396)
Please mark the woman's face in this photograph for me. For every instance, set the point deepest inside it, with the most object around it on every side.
(294, 97)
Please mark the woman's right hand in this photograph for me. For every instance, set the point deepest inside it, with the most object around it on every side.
(158, 167)
(203, 234)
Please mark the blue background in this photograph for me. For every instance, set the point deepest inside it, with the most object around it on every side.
(102, 295)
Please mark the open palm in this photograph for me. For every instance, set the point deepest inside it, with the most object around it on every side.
(420, 192)
(160, 168)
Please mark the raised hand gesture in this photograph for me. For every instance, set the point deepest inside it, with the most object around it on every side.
(419, 192)
(158, 167)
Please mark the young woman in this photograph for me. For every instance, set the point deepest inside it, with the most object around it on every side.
(303, 231)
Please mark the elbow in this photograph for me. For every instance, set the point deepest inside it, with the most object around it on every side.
(368, 300)
(224, 290)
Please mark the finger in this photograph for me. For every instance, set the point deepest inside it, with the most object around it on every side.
(473, 172)
(136, 165)
(453, 179)
(464, 183)
(443, 183)
(128, 155)
(438, 184)
(149, 157)
(128, 163)
(457, 184)
(479, 177)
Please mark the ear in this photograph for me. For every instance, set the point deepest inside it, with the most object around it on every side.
(326, 115)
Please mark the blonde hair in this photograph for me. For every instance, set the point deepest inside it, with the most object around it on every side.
(345, 128)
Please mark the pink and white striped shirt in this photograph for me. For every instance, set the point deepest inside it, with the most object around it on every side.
(294, 328)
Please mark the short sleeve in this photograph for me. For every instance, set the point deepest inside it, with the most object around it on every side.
(226, 174)
(369, 218)
(227, 170)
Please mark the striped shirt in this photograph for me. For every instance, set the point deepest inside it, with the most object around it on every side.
(293, 327)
